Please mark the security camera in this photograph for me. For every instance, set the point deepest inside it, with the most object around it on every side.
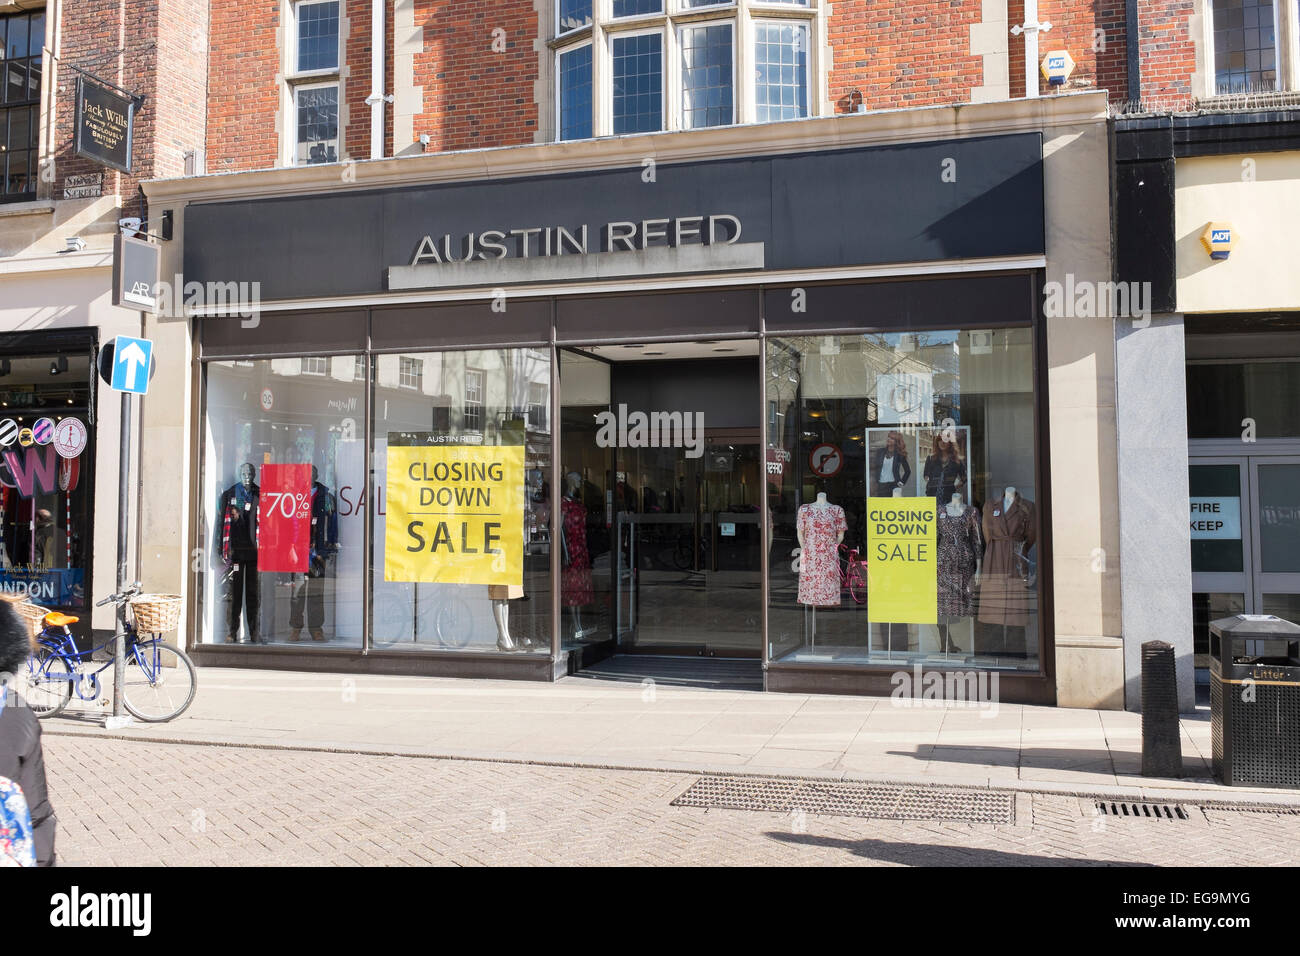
(129, 226)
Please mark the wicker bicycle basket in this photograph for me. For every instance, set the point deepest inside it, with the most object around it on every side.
(156, 613)
(33, 614)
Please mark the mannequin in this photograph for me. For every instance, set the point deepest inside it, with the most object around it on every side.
(309, 592)
(820, 527)
(575, 579)
(236, 543)
(1010, 529)
(960, 560)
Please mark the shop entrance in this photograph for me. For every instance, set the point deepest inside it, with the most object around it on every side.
(663, 486)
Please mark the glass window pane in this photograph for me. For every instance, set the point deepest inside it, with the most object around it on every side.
(1279, 519)
(318, 125)
(575, 94)
(1207, 607)
(36, 34)
(695, 4)
(44, 521)
(19, 128)
(706, 76)
(634, 8)
(16, 87)
(1243, 45)
(470, 474)
(1215, 516)
(1221, 395)
(17, 37)
(1285, 606)
(34, 72)
(318, 36)
(638, 83)
(781, 60)
(282, 475)
(941, 427)
(574, 14)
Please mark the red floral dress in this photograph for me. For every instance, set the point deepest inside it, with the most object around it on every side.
(819, 564)
(575, 579)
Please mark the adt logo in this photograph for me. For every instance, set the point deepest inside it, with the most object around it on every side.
(1221, 235)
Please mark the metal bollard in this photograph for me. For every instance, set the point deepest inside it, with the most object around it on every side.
(1162, 751)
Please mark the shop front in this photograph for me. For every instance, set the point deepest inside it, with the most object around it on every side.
(778, 405)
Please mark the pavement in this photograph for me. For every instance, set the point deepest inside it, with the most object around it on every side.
(652, 726)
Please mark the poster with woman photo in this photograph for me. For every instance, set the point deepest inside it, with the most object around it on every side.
(944, 469)
(891, 462)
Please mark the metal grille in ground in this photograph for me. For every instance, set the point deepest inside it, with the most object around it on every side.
(1142, 811)
(874, 801)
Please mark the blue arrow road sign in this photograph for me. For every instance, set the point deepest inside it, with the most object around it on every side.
(131, 364)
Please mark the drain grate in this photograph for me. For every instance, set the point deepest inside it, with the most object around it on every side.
(875, 801)
(1142, 811)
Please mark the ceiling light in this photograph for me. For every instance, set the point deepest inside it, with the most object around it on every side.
(652, 353)
(725, 349)
(634, 346)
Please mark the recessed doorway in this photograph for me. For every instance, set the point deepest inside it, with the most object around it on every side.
(662, 471)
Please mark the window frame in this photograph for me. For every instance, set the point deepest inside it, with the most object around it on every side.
(292, 138)
(638, 30)
(758, 21)
(1286, 51)
(558, 95)
(740, 14)
(680, 111)
(479, 404)
(417, 366)
(30, 104)
(296, 72)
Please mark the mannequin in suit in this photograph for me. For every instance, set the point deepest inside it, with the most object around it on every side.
(309, 592)
(236, 543)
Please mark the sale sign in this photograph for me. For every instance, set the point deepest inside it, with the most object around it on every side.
(902, 569)
(455, 514)
(284, 518)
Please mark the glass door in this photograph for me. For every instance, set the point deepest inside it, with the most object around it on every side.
(1275, 518)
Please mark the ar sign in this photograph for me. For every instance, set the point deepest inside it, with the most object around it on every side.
(131, 364)
(1057, 67)
(1217, 240)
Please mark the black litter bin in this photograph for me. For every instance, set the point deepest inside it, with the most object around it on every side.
(1255, 700)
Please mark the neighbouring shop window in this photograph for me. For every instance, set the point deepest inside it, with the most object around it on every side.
(901, 488)
(1244, 400)
(1244, 48)
(283, 485)
(462, 522)
(22, 37)
(46, 478)
(664, 68)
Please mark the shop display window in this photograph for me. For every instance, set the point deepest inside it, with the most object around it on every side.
(46, 478)
(901, 493)
(283, 493)
(462, 516)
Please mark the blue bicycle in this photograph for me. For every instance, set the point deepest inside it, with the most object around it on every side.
(160, 679)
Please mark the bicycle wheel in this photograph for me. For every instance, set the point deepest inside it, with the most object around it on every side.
(857, 582)
(160, 681)
(46, 695)
(453, 623)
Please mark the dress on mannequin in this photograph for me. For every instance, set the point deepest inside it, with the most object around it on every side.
(960, 547)
(821, 527)
(575, 581)
(1008, 530)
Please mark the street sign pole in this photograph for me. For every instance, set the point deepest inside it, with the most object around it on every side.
(123, 522)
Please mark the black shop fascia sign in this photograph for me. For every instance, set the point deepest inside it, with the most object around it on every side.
(105, 123)
(978, 197)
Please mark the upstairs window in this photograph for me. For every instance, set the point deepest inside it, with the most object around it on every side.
(314, 82)
(22, 37)
(637, 66)
(1245, 48)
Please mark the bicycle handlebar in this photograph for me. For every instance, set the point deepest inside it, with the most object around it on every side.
(122, 598)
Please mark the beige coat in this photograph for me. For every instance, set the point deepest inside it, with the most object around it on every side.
(1004, 599)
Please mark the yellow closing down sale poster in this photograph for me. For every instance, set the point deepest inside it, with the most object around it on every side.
(901, 562)
(455, 514)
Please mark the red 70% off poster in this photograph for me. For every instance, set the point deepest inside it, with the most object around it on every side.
(284, 518)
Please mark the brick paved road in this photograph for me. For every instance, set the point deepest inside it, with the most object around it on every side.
(125, 802)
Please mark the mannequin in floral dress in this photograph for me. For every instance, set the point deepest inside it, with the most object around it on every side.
(820, 527)
(575, 580)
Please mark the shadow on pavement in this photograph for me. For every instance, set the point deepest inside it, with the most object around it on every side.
(932, 854)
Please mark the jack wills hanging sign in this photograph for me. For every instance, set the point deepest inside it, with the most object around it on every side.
(105, 122)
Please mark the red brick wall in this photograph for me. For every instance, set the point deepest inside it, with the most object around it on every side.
(243, 96)
(1166, 54)
(149, 33)
(473, 95)
(357, 136)
(913, 54)
(1099, 59)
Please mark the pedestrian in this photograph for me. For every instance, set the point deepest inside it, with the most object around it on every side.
(21, 758)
